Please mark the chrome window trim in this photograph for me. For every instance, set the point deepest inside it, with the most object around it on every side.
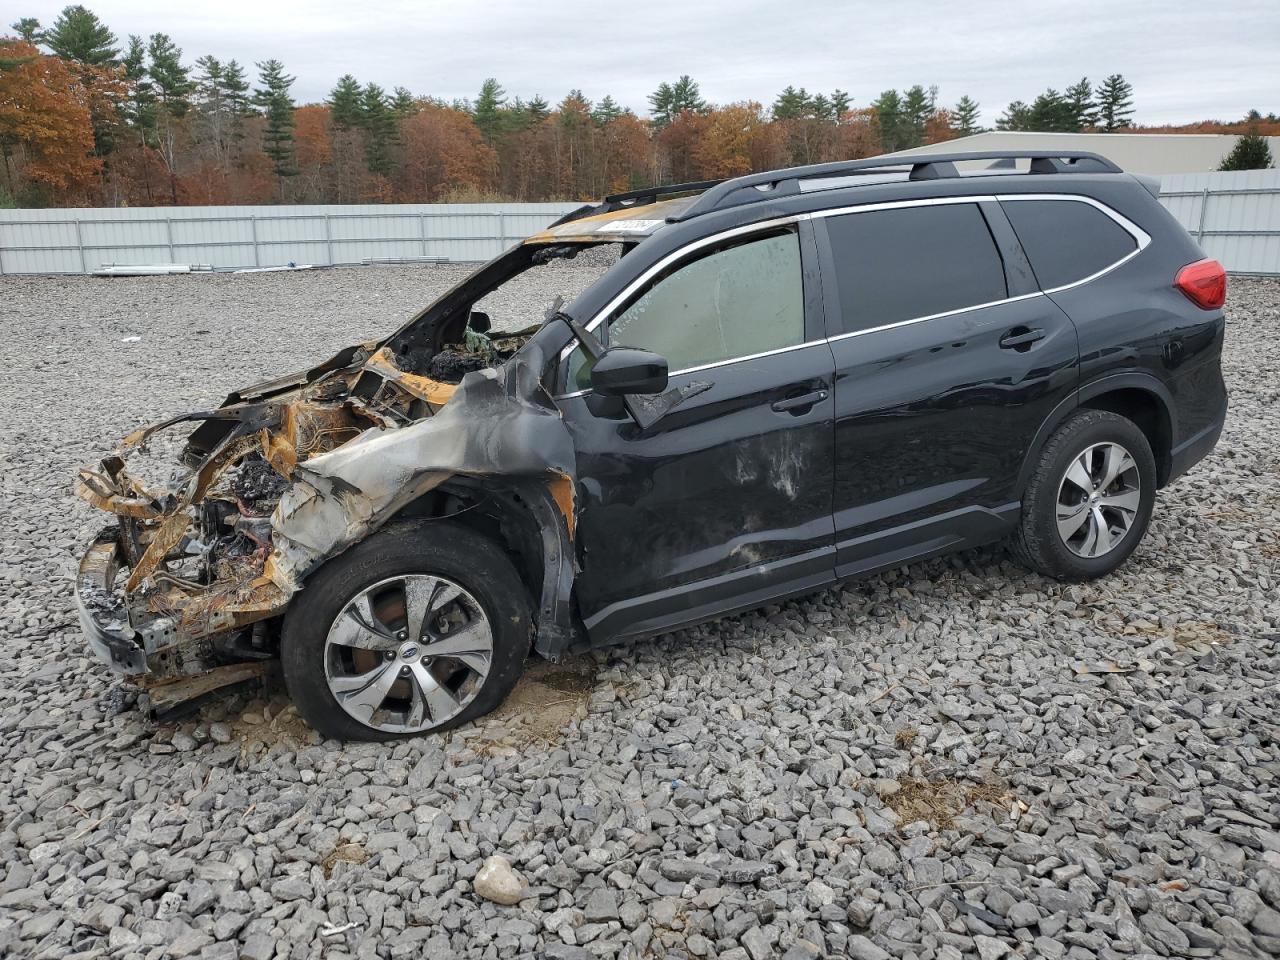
(898, 205)
(1140, 236)
(935, 316)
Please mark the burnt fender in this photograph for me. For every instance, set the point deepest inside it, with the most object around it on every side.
(554, 629)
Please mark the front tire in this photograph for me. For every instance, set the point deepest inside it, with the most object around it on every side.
(1089, 500)
(420, 628)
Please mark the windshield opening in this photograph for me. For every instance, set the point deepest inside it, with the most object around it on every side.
(506, 316)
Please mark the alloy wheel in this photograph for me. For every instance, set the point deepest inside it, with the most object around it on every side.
(409, 653)
(1098, 500)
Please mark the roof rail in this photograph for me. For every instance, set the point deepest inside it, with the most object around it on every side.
(756, 187)
(651, 194)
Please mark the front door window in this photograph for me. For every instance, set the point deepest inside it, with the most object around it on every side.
(739, 301)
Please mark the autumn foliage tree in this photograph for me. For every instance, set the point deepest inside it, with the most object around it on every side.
(46, 133)
(443, 151)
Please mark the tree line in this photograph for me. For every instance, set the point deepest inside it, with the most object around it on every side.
(86, 118)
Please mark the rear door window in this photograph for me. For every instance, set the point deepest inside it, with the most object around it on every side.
(1067, 240)
(913, 262)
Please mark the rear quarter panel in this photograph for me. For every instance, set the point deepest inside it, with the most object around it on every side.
(1133, 320)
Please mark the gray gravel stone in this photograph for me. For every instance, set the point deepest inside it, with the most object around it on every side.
(259, 946)
(1163, 933)
(602, 904)
(684, 870)
(1023, 914)
(860, 948)
(292, 888)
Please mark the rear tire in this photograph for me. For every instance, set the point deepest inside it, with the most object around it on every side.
(350, 634)
(1089, 500)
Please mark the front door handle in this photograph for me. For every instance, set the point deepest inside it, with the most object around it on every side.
(1021, 338)
(799, 404)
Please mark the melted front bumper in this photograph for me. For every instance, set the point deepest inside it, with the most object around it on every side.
(104, 621)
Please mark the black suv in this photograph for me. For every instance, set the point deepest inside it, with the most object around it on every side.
(785, 380)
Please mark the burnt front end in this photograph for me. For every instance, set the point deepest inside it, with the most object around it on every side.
(177, 594)
(174, 661)
(181, 592)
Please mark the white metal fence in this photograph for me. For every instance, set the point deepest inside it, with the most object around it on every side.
(1235, 216)
(84, 240)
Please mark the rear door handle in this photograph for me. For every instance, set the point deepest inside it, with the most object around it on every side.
(802, 403)
(1021, 338)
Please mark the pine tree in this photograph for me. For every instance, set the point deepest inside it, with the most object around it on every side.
(139, 110)
(672, 99)
(605, 111)
(1115, 103)
(487, 112)
(687, 96)
(1251, 152)
(277, 135)
(576, 100)
(209, 80)
(172, 87)
(965, 117)
(792, 104)
(379, 124)
(28, 29)
(79, 35)
(235, 88)
(660, 105)
(344, 102)
(840, 104)
(573, 110)
(917, 107)
(1051, 112)
(888, 108)
(538, 109)
(1084, 112)
(211, 101)
(172, 80)
(221, 103)
(1016, 116)
(403, 103)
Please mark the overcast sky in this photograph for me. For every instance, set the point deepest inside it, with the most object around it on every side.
(1186, 60)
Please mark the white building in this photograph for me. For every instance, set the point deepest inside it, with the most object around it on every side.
(1151, 153)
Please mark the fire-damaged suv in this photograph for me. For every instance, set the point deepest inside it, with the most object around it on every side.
(785, 380)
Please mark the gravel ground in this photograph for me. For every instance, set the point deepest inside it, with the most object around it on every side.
(952, 759)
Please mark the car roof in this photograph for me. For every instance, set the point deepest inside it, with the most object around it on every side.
(632, 222)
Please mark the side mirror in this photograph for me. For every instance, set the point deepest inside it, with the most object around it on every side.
(626, 370)
(479, 321)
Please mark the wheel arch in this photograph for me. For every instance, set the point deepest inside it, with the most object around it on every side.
(523, 518)
(1147, 403)
(1136, 396)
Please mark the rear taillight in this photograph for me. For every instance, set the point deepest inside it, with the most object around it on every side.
(1204, 283)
